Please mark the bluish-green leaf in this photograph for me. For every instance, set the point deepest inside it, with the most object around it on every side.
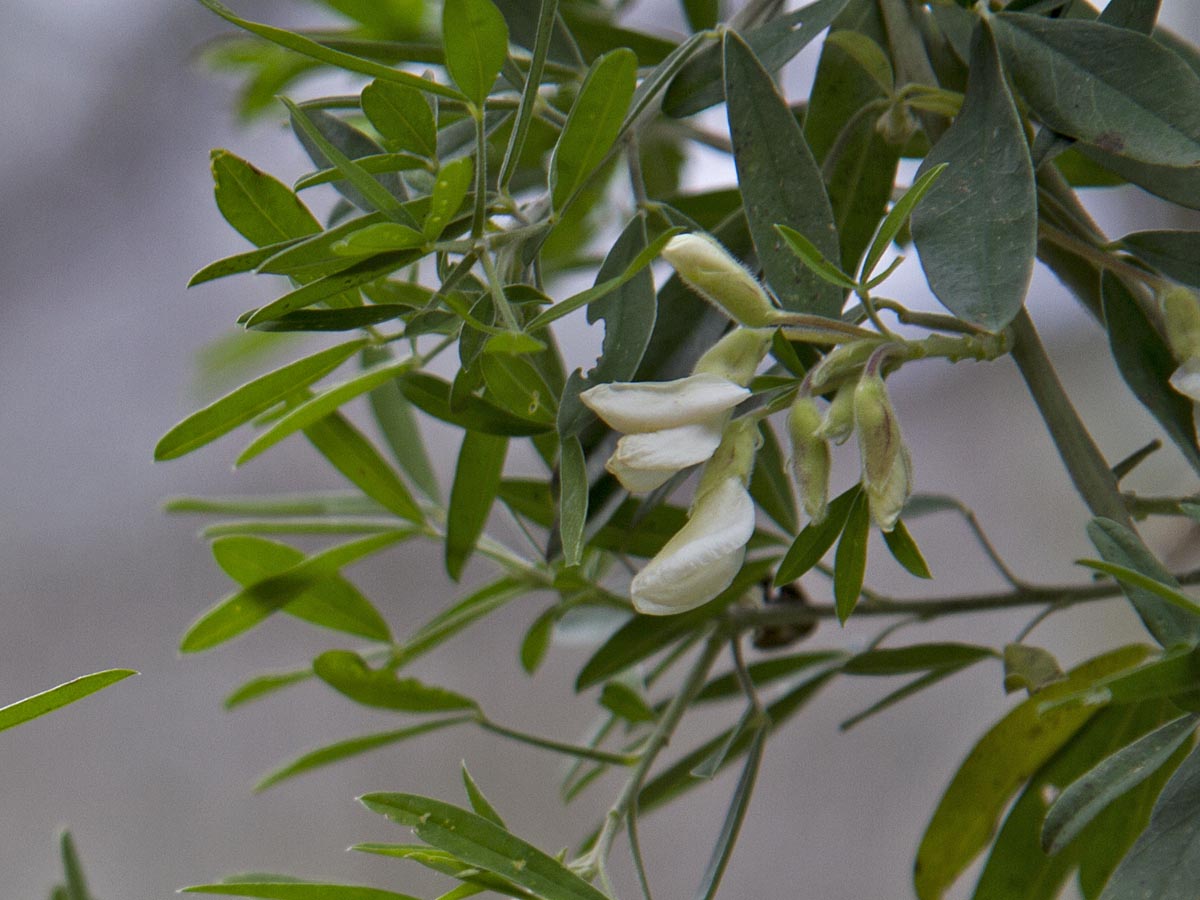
(781, 183)
(47, 701)
(251, 399)
(976, 229)
(476, 480)
(349, 674)
(1175, 254)
(593, 124)
(475, 38)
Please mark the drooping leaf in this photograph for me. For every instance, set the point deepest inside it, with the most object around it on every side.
(593, 124)
(734, 816)
(850, 560)
(1106, 88)
(780, 182)
(976, 229)
(476, 480)
(480, 842)
(349, 674)
(251, 399)
(262, 209)
(905, 551)
(815, 540)
(969, 810)
(57, 697)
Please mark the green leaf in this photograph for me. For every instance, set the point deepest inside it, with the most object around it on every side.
(243, 610)
(622, 700)
(432, 395)
(1170, 623)
(76, 886)
(770, 485)
(290, 890)
(240, 262)
(479, 802)
(310, 48)
(1146, 363)
(867, 54)
(573, 499)
(332, 753)
(765, 672)
(850, 560)
(808, 254)
(517, 386)
(1178, 185)
(921, 683)
(1136, 15)
(261, 209)
(304, 414)
(817, 537)
(916, 658)
(348, 451)
(781, 183)
(897, 218)
(1029, 668)
(905, 551)
(251, 399)
(475, 38)
(349, 319)
(476, 480)
(1020, 743)
(701, 14)
(482, 843)
(593, 124)
(536, 642)
(382, 237)
(1175, 254)
(699, 85)
(401, 114)
(330, 503)
(1088, 796)
(449, 191)
(348, 674)
(447, 864)
(1106, 88)
(734, 816)
(451, 621)
(261, 685)
(1163, 859)
(47, 701)
(976, 230)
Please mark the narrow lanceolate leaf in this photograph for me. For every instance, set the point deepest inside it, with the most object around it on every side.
(898, 217)
(247, 401)
(348, 451)
(76, 885)
(262, 209)
(240, 262)
(734, 817)
(324, 756)
(449, 191)
(480, 842)
(815, 540)
(263, 685)
(1113, 88)
(573, 499)
(1163, 861)
(1171, 624)
(781, 183)
(293, 890)
(475, 38)
(245, 609)
(310, 48)
(476, 480)
(850, 561)
(394, 415)
(593, 124)
(401, 114)
(807, 253)
(449, 622)
(1174, 253)
(976, 229)
(348, 674)
(1020, 743)
(905, 551)
(318, 407)
(1087, 797)
(916, 658)
(48, 701)
(479, 802)
(330, 602)
(1146, 363)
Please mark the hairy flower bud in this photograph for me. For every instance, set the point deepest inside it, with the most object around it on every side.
(708, 269)
(810, 456)
(735, 356)
(1181, 315)
(838, 424)
(878, 431)
(886, 499)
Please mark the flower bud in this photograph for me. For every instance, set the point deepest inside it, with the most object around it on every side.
(736, 356)
(1181, 315)
(886, 499)
(896, 125)
(810, 457)
(879, 440)
(734, 458)
(839, 418)
(708, 269)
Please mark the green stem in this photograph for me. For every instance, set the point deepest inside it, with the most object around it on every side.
(1091, 475)
(618, 759)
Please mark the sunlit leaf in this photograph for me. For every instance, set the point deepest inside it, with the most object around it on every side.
(57, 697)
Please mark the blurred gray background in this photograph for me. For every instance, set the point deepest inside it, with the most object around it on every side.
(106, 210)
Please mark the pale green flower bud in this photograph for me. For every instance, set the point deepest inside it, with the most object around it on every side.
(1181, 315)
(736, 356)
(896, 125)
(708, 269)
(886, 499)
(841, 361)
(734, 458)
(839, 418)
(879, 439)
(810, 457)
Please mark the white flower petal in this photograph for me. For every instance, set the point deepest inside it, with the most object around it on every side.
(1186, 380)
(638, 481)
(702, 558)
(671, 448)
(642, 406)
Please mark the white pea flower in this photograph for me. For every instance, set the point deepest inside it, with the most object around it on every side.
(702, 558)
